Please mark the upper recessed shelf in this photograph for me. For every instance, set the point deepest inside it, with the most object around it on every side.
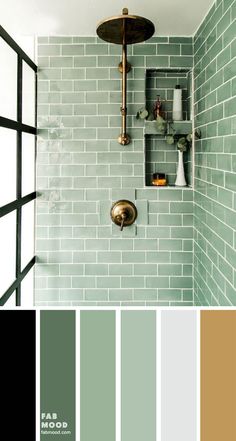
(179, 127)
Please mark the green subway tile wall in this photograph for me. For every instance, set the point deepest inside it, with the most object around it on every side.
(82, 258)
(215, 178)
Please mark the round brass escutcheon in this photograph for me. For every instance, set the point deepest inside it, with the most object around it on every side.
(123, 213)
(124, 139)
(128, 67)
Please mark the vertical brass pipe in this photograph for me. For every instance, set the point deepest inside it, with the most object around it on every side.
(124, 89)
(124, 139)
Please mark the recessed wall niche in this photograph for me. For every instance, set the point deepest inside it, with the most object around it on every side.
(160, 156)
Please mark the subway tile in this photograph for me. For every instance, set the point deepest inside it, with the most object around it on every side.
(158, 257)
(168, 49)
(85, 85)
(108, 61)
(96, 269)
(229, 34)
(145, 270)
(96, 294)
(145, 294)
(132, 282)
(48, 49)
(72, 97)
(157, 61)
(181, 282)
(120, 269)
(157, 282)
(73, 74)
(108, 282)
(83, 282)
(61, 61)
(144, 49)
(86, 61)
(169, 294)
(120, 294)
(169, 270)
(84, 109)
(60, 40)
(49, 74)
(73, 49)
(170, 244)
(181, 61)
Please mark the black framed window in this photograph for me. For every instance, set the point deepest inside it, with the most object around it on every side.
(18, 117)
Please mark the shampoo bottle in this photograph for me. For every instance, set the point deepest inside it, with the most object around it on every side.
(177, 104)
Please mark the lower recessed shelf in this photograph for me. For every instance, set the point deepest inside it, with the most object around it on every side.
(179, 127)
(168, 187)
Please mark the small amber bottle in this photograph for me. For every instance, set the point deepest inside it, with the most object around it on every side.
(159, 179)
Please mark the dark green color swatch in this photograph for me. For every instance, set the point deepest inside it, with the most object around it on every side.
(57, 377)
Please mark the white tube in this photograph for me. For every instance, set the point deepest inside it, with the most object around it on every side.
(177, 104)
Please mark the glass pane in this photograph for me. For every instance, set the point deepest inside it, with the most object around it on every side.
(28, 159)
(27, 234)
(7, 165)
(7, 250)
(8, 81)
(27, 290)
(28, 97)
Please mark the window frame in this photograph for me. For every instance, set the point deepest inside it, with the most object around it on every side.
(20, 201)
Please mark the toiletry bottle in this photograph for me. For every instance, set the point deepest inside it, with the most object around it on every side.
(157, 109)
(177, 104)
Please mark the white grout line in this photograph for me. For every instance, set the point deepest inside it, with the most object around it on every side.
(118, 374)
(198, 373)
(37, 374)
(158, 375)
(77, 374)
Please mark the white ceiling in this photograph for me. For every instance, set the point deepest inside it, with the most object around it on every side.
(77, 17)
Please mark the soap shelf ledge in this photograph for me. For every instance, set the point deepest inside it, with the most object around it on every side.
(180, 128)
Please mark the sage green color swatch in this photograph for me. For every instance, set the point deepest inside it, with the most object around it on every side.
(138, 375)
(97, 375)
(57, 372)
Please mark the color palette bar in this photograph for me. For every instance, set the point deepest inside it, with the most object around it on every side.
(218, 375)
(179, 375)
(57, 382)
(138, 376)
(17, 373)
(137, 373)
(97, 376)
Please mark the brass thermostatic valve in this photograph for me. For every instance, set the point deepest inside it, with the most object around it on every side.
(123, 213)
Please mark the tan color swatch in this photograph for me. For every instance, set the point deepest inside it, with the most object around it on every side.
(218, 375)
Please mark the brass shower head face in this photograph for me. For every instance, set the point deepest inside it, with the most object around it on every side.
(137, 29)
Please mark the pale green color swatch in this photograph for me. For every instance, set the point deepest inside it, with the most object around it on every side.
(138, 376)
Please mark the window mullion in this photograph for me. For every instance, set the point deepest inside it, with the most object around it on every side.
(18, 177)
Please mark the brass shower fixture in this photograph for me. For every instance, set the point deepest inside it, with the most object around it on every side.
(125, 29)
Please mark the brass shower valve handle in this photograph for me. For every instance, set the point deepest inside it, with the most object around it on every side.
(123, 213)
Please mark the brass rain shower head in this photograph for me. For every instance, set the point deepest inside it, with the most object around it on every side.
(125, 29)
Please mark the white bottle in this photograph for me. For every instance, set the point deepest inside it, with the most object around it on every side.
(177, 104)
